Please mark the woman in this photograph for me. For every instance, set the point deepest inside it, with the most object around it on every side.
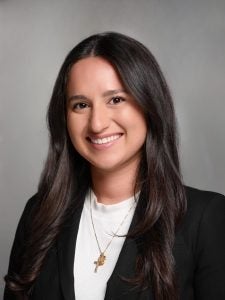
(112, 218)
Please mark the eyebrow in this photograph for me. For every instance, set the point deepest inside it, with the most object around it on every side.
(77, 97)
(105, 94)
(113, 92)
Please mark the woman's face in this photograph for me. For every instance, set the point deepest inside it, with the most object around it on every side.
(105, 124)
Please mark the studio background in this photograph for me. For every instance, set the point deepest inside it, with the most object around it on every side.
(186, 36)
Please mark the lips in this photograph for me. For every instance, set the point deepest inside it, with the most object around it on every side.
(104, 140)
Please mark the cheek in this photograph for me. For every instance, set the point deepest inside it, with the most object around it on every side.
(134, 122)
(70, 126)
(74, 129)
(139, 133)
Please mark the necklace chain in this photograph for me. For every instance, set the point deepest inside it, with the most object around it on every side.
(102, 257)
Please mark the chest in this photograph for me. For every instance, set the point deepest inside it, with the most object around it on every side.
(56, 280)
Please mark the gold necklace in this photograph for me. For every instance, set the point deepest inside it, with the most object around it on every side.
(101, 259)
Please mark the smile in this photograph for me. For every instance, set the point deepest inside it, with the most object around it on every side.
(104, 140)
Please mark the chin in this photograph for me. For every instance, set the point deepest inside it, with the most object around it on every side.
(106, 166)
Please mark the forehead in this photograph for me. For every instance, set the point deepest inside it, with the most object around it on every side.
(94, 72)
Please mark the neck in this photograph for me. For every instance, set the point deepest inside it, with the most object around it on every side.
(113, 187)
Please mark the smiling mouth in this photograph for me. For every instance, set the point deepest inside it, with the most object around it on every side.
(104, 140)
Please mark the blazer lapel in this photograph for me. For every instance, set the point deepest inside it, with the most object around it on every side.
(66, 249)
(117, 288)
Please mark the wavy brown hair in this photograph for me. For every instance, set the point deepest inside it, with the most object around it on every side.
(162, 200)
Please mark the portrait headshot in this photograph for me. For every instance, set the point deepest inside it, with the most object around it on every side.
(112, 150)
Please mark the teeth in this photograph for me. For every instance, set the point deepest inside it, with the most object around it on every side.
(105, 140)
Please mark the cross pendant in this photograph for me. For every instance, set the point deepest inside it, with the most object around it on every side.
(100, 261)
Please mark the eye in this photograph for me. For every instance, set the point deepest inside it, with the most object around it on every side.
(80, 106)
(116, 100)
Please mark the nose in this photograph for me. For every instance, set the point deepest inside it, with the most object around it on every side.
(99, 119)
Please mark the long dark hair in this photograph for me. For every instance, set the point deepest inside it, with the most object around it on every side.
(162, 198)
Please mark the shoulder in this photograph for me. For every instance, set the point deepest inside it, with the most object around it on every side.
(199, 202)
(20, 237)
(204, 221)
(201, 197)
(25, 220)
(31, 203)
(202, 232)
(29, 209)
(28, 212)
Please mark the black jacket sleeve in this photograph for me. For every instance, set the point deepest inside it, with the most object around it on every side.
(209, 277)
(18, 244)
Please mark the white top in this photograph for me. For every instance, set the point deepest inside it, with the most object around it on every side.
(107, 218)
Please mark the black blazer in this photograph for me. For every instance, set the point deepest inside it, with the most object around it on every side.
(199, 253)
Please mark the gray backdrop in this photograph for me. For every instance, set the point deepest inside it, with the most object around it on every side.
(188, 39)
